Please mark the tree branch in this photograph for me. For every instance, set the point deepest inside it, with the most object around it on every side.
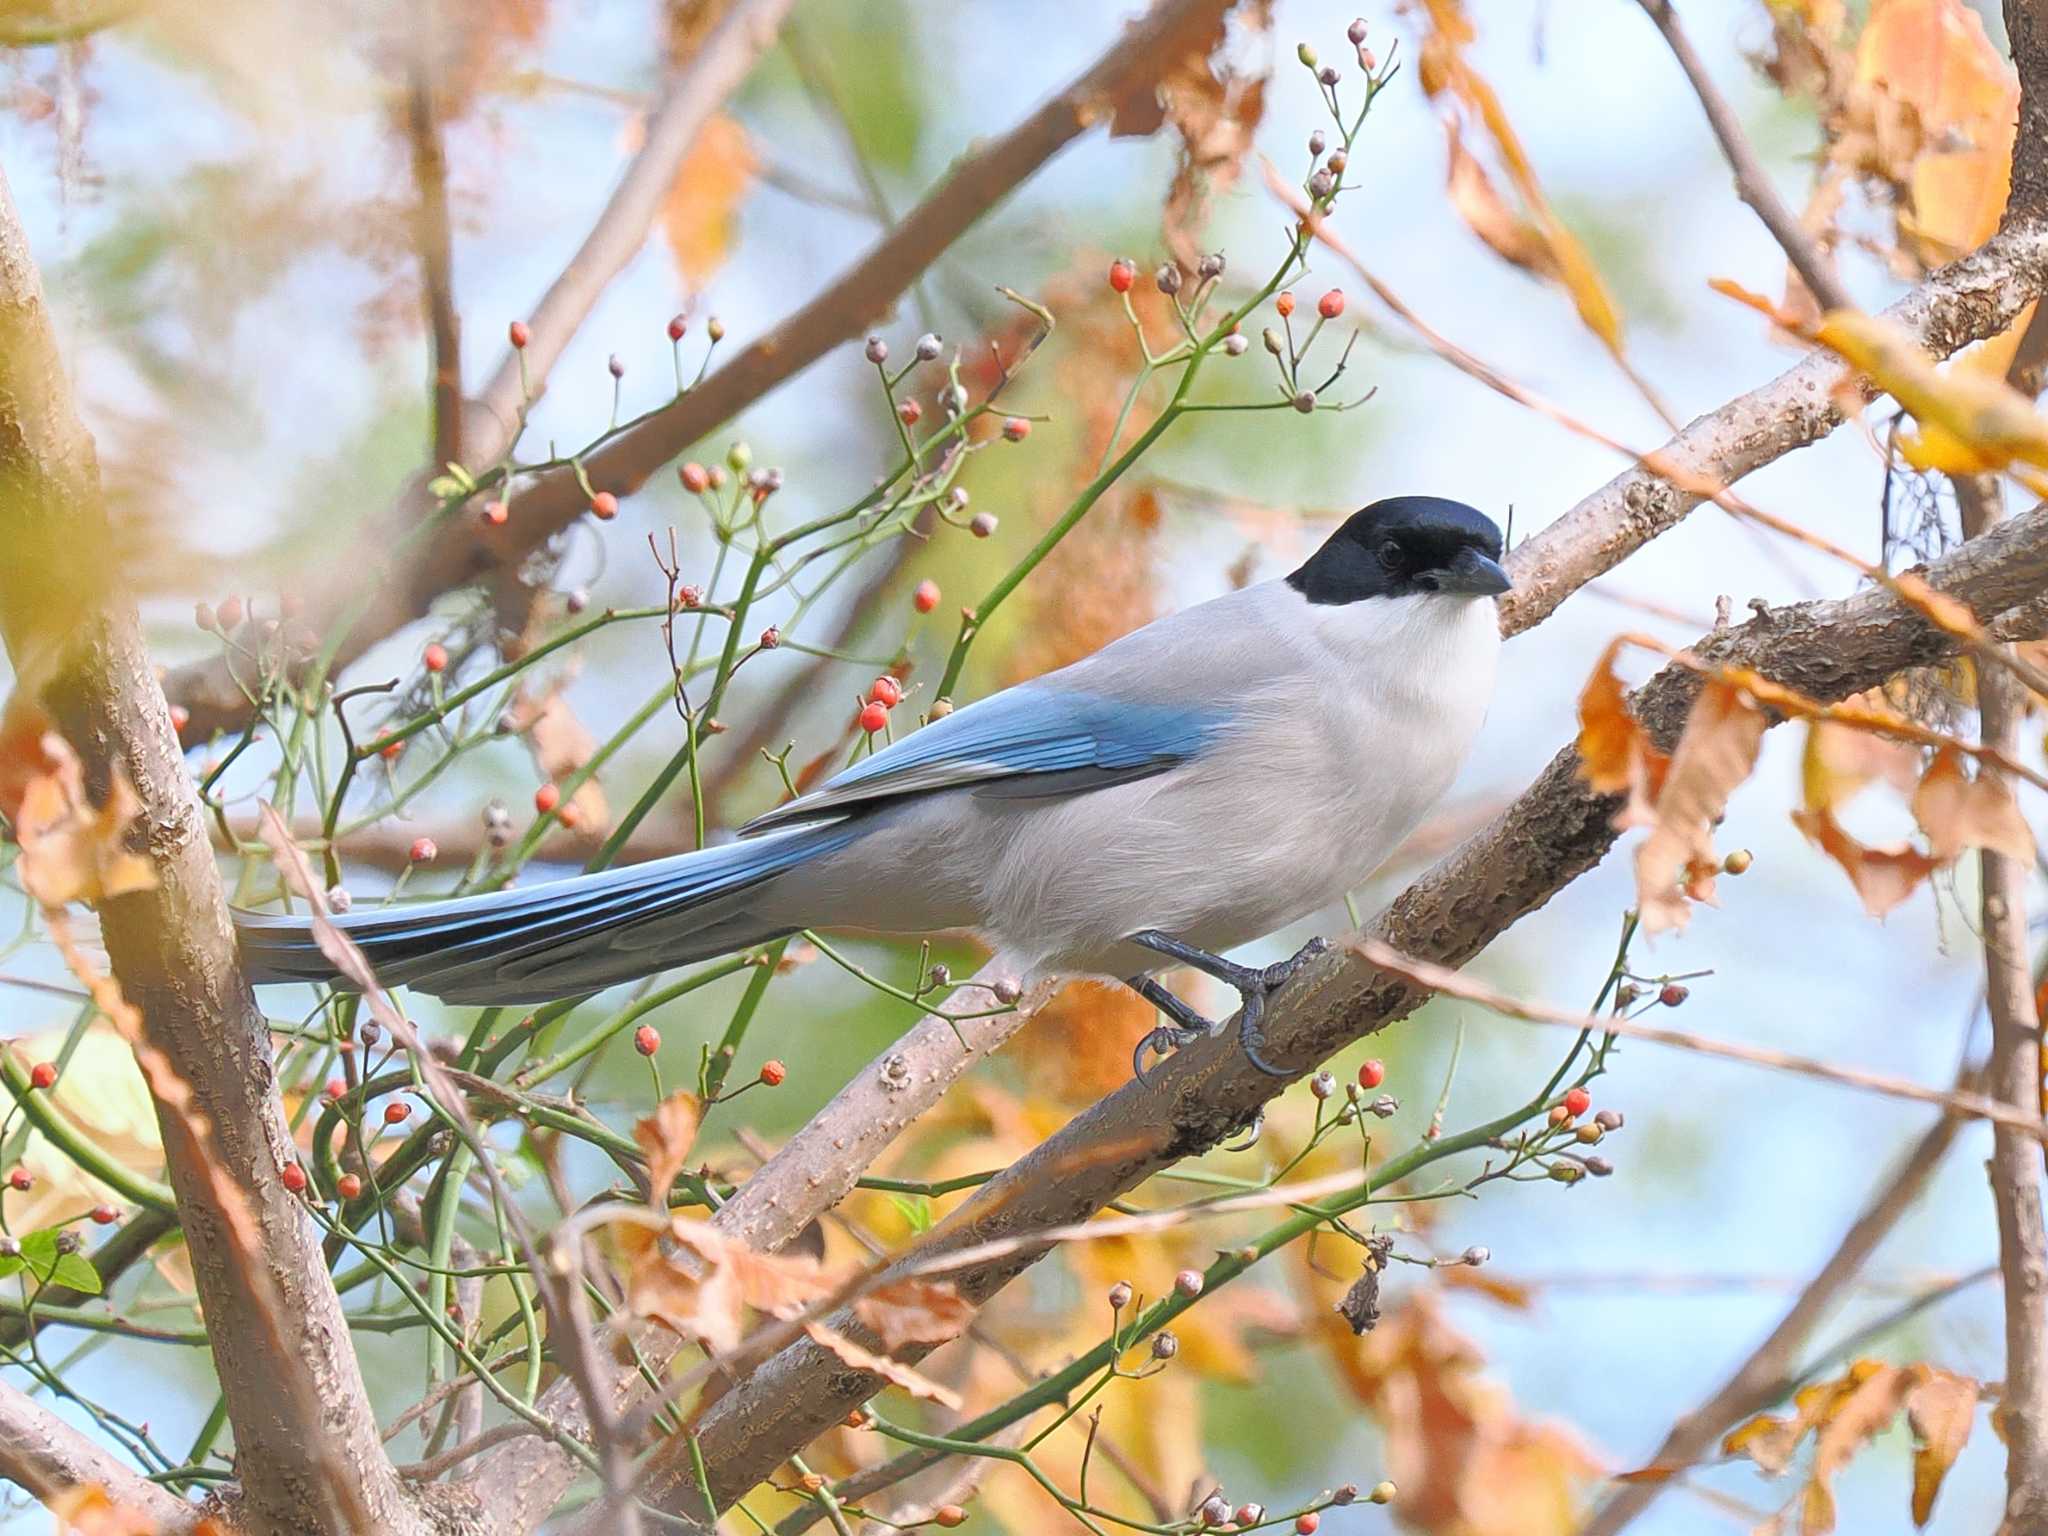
(1752, 182)
(2026, 29)
(435, 244)
(308, 1444)
(46, 1456)
(1555, 832)
(458, 552)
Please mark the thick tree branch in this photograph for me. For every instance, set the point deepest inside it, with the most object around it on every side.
(1555, 832)
(46, 1456)
(1752, 181)
(2026, 28)
(308, 1446)
(459, 553)
(1965, 301)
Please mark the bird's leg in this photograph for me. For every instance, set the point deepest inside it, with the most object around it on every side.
(1254, 985)
(1187, 1025)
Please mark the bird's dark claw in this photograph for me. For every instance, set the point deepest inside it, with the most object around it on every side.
(1253, 984)
(1163, 1041)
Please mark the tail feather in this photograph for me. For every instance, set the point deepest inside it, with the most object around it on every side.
(568, 937)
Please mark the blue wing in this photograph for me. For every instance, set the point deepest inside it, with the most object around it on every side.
(1026, 741)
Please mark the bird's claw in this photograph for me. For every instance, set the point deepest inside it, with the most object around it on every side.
(1251, 1137)
(1163, 1041)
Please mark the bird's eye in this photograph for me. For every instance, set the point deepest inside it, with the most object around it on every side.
(1390, 554)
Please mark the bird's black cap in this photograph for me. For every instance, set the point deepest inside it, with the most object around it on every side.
(1404, 545)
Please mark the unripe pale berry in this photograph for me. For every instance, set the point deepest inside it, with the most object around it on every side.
(203, 616)
(1355, 33)
(1305, 401)
(739, 458)
(546, 798)
(1382, 1493)
(1331, 304)
(885, 691)
(1306, 54)
(1609, 1120)
(715, 328)
(1738, 862)
(695, 476)
(1372, 1073)
(616, 366)
(293, 1177)
(604, 506)
(941, 708)
(1322, 1085)
(1214, 1510)
(873, 717)
(1247, 1515)
(518, 334)
(1599, 1167)
(1165, 1346)
(1590, 1133)
(1235, 346)
(926, 597)
(1321, 184)
(1121, 275)
(1188, 1283)
(435, 657)
(646, 1039)
(1168, 279)
(231, 613)
(877, 351)
(1328, 74)
(1120, 1295)
(982, 524)
(1316, 141)
(43, 1075)
(349, 1186)
(1476, 1256)
(1211, 265)
(396, 1111)
(929, 346)
(773, 1072)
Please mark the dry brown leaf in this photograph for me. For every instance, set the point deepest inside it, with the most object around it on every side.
(666, 1137)
(1854, 1421)
(1941, 1407)
(1616, 755)
(1214, 108)
(700, 214)
(702, 1288)
(1478, 202)
(1958, 812)
(1840, 760)
(915, 1311)
(1883, 877)
(1675, 865)
(891, 1371)
(71, 851)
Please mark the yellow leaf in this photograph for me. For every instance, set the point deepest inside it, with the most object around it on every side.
(1675, 866)
(1958, 812)
(1968, 423)
(699, 216)
(1616, 755)
(1941, 1407)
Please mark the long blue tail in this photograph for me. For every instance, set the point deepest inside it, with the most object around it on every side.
(557, 940)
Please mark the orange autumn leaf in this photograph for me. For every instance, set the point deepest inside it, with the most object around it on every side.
(1840, 760)
(666, 1137)
(1214, 108)
(1616, 755)
(699, 217)
(71, 850)
(1479, 203)
(1941, 1409)
(915, 1311)
(1883, 877)
(703, 1289)
(1675, 865)
(1958, 812)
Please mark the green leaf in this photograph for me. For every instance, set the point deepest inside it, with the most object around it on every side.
(916, 1210)
(39, 1253)
(75, 1270)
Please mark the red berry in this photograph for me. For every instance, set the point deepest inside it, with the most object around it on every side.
(518, 333)
(771, 637)
(773, 1072)
(1285, 304)
(1016, 429)
(396, 1111)
(293, 1177)
(390, 750)
(496, 513)
(604, 506)
(1307, 1523)
(646, 1039)
(423, 850)
(926, 597)
(43, 1075)
(349, 1186)
(1672, 994)
(1121, 275)
(910, 411)
(21, 1178)
(886, 691)
(695, 476)
(567, 816)
(690, 597)
(1331, 304)
(1372, 1073)
(676, 326)
(436, 658)
(1577, 1101)
(335, 1089)
(105, 1215)
(546, 798)
(873, 717)
(180, 718)
(949, 1515)
(230, 612)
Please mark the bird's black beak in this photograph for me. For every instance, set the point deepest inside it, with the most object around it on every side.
(1472, 573)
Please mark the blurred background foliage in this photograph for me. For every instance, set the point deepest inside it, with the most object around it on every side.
(221, 193)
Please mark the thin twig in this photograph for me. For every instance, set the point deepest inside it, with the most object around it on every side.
(435, 245)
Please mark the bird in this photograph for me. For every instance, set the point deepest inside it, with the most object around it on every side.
(1196, 785)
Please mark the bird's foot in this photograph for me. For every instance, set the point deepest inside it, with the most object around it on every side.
(1254, 984)
(1162, 1042)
